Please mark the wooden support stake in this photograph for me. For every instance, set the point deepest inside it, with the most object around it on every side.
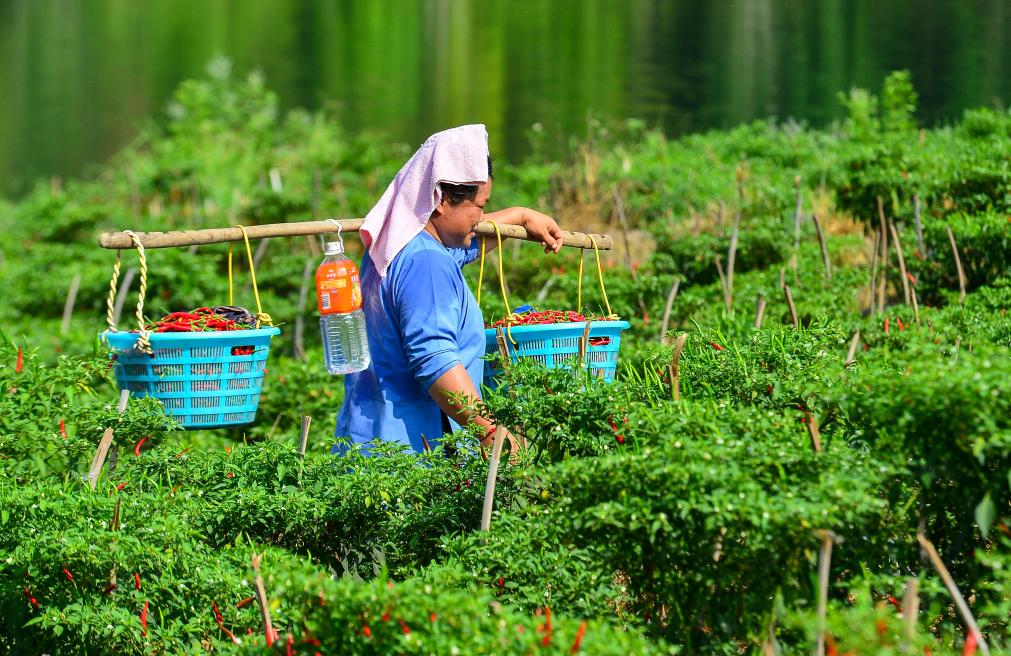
(874, 270)
(674, 368)
(303, 437)
(963, 608)
(812, 430)
(824, 246)
(760, 311)
(793, 308)
(261, 599)
(902, 262)
(851, 354)
(671, 295)
(620, 207)
(98, 461)
(728, 293)
(584, 345)
(919, 227)
(503, 347)
(303, 293)
(958, 265)
(824, 563)
(489, 488)
(68, 307)
(911, 606)
(723, 277)
(883, 283)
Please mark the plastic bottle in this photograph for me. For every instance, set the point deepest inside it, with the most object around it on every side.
(341, 321)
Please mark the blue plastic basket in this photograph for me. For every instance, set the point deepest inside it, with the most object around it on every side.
(194, 375)
(556, 345)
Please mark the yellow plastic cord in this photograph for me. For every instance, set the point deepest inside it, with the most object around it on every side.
(600, 274)
(480, 275)
(261, 316)
(579, 283)
(501, 282)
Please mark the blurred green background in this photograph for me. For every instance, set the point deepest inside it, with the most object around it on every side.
(80, 76)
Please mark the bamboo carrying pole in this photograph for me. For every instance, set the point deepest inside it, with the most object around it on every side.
(120, 240)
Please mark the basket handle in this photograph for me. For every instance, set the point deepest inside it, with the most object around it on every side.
(261, 316)
(144, 341)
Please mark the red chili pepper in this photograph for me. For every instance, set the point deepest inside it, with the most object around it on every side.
(288, 650)
(136, 581)
(385, 617)
(898, 322)
(119, 488)
(245, 602)
(403, 627)
(217, 613)
(424, 444)
(547, 627)
(20, 364)
(830, 648)
(143, 620)
(66, 572)
(970, 644)
(886, 325)
(432, 618)
(617, 435)
(140, 443)
(32, 600)
(366, 631)
(717, 346)
(894, 602)
(109, 588)
(63, 428)
(579, 638)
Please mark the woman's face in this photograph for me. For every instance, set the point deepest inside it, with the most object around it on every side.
(455, 223)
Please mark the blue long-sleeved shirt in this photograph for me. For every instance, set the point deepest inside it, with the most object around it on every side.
(422, 320)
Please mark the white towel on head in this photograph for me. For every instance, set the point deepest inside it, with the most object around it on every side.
(457, 156)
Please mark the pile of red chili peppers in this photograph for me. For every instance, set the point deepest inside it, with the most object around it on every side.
(202, 319)
(545, 317)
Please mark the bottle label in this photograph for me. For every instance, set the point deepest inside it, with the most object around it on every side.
(338, 289)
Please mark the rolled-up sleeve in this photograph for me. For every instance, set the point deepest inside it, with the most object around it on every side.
(429, 308)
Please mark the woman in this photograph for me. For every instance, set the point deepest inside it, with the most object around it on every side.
(425, 330)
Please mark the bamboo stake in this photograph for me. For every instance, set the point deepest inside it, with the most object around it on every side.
(884, 257)
(303, 293)
(958, 265)
(620, 207)
(667, 308)
(303, 437)
(851, 354)
(728, 292)
(503, 347)
(120, 240)
(824, 562)
(874, 270)
(760, 311)
(489, 488)
(919, 226)
(824, 246)
(812, 430)
(68, 306)
(902, 261)
(963, 608)
(261, 599)
(674, 368)
(793, 308)
(911, 606)
(103, 445)
(723, 277)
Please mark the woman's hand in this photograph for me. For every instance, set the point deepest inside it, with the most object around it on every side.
(516, 444)
(543, 227)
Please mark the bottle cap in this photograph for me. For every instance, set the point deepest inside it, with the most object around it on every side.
(333, 248)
